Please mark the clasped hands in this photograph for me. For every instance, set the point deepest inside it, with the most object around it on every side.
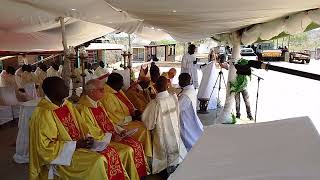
(85, 143)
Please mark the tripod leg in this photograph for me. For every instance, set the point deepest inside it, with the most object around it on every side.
(224, 81)
(255, 116)
(214, 86)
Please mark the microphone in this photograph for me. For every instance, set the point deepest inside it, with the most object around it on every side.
(246, 69)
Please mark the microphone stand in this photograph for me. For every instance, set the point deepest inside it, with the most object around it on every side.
(257, 97)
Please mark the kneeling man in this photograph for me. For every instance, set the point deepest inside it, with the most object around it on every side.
(191, 126)
(162, 116)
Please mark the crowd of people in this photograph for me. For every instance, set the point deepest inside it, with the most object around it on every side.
(111, 132)
(30, 77)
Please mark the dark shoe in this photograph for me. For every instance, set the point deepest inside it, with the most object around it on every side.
(238, 116)
(164, 174)
(250, 117)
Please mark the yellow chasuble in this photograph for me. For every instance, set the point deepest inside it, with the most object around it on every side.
(48, 138)
(118, 112)
(134, 162)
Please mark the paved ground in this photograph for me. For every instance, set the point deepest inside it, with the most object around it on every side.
(281, 96)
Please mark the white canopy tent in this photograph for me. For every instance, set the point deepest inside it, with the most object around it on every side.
(192, 20)
(27, 25)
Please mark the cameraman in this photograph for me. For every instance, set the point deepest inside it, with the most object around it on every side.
(189, 65)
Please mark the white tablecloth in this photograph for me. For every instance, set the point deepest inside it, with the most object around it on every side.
(279, 150)
(8, 113)
(22, 142)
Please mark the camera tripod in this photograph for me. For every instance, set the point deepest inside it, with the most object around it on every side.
(220, 78)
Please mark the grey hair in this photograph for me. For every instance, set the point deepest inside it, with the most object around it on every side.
(91, 84)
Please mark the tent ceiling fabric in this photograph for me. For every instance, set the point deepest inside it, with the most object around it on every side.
(292, 24)
(190, 20)
(31, 24)
(50, 40)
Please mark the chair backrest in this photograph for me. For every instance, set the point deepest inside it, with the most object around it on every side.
(8, 96)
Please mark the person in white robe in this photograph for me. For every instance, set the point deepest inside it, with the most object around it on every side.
(53, 71)
(206, 88)
(89, 72)
(89, 75)
(162, 117)
(40, 73)
(189, 65)
(7, 78)
(100, 70)
(60, 69)
(18, 75)
(27, 77)
(191, 126)
(26, 84)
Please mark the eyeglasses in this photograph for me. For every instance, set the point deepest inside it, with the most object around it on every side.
(99, 89)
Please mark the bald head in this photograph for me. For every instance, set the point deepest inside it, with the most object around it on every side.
(94, 88)
(171, 73)
(162, 84)
(93, 84)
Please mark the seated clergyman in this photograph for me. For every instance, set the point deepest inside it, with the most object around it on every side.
(98, 122)
(162, 117)
(139, 94)
(123, 113)
(59, 148)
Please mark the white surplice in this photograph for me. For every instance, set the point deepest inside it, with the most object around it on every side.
(40, 75)
(206, 86)
(60, 69)
(53, 73)
(17, 76)
(100, 71)
(7, 80)
(191, 126)
(187, 66)
(162, 117)
(26, 78)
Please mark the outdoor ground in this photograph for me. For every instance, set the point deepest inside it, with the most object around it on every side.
(281, 96)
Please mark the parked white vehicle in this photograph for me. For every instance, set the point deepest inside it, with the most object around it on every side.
(248, 54)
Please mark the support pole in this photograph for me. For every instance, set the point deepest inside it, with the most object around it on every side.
(225, 115)
(66, 71)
